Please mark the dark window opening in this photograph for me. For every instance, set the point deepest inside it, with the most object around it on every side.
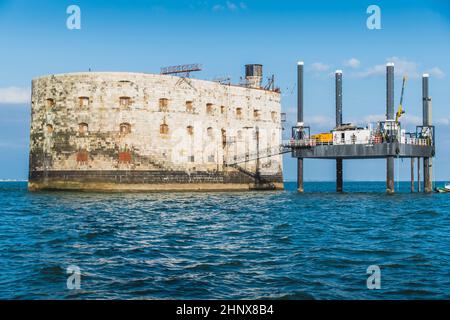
(239, 113)
(50, 103)
(125, 128)
(83, 102)
(189, 106)
(125, 101)
(209, 108)
(164, 104)
(163, 129)
(83, 128)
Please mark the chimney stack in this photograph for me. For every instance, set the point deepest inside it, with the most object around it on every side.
(253, 75)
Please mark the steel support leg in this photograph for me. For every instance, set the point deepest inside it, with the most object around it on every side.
(300, 175)
(339, 180)
(390, 175)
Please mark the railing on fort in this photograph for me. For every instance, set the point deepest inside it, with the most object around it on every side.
(252, 156)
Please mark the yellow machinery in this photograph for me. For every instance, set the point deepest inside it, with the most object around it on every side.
(323, 137)
(400, 110)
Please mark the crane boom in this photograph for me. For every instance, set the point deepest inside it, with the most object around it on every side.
(400, 110)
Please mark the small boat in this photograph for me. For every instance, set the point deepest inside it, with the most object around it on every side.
(444, 189)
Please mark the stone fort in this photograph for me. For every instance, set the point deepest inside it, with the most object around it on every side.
(135, 131)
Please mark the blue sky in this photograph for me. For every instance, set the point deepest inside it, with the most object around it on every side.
(142, 36)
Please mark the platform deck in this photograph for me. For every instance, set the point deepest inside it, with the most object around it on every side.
(363, 151)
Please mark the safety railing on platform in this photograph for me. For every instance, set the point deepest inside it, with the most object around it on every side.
(300, 143)
(376, 140)
(418, 141)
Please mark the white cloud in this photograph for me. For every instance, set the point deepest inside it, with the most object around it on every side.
(377, 70)
(316, 122)
(218, 7)
(402, 67)
(436, 72)
(320, 122)
(443, 121)
(352, 63)
(410, 120)
(13, 144)
(406, 119)
(243, 5)
(372, 118)
(14, 95)
(405, 67)
(320, 67)
(230, 6)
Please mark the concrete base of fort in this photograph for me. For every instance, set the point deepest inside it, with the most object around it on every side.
(131, 181)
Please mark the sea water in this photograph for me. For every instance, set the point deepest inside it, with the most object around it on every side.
(225, 245)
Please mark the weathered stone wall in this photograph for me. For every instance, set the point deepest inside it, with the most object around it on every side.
(94, 125)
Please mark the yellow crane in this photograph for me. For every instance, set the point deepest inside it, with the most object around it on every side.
(400, 110)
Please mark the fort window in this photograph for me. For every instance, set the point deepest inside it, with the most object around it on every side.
(211, 158)
(224, 138)
(256, 114)
(239, 134)
(83, 128)
(50, 103)
(163, 129)
(189, 107)
(125, 128)
(223, 109)
(82, 156)
(83, 102)
(190, 158)
(209, 108)
(209, 132)
(190, 130)
(163, 104)
(125, 101)
(49, 128)
(274, 116)
(239, 113)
